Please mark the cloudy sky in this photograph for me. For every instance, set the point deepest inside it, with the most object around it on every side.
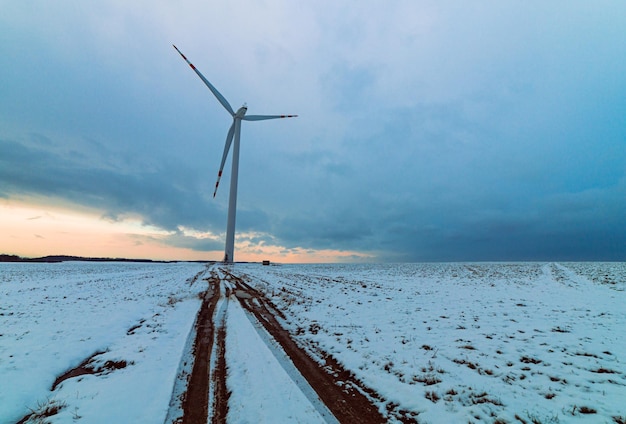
(427, 130)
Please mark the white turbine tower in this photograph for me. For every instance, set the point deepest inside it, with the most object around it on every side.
(235, 130)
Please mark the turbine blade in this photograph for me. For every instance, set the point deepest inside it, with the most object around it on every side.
(229, 141)
(264, 117)
(217, 94)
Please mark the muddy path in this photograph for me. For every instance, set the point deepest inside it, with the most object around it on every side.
(219, 394)
(207, 394)
(337, 388)
(196, 398)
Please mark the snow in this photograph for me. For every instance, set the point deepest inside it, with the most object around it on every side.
(467, 342)
(450, 342)
(54, 316)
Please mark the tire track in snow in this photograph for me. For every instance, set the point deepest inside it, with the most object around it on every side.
(218, 391)
(175, 410)
(195, 401)
(330, 393)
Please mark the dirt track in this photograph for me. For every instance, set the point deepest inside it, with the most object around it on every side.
(337, 389)
(195, 401)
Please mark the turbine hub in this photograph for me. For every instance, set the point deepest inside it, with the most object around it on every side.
(242, 111)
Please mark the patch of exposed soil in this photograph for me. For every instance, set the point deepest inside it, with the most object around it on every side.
(88, 366)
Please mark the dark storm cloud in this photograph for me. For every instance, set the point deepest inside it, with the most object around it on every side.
(164, 197)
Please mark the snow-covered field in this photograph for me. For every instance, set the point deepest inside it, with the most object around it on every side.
(54, 316)
(521, 342)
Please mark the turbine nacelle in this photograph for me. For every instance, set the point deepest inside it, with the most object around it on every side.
(241, 111)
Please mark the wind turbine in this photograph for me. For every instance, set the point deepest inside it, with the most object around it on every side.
(234, 131)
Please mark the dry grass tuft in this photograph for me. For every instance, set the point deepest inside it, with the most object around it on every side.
(44, 410)
(529, 360)
(432, 396)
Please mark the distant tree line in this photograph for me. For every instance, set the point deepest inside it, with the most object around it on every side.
(64, 258)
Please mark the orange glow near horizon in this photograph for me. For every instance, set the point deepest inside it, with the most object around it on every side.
(31, 228)
(35, 229)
